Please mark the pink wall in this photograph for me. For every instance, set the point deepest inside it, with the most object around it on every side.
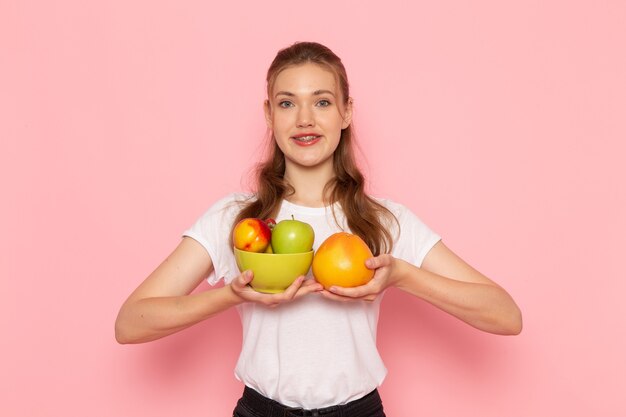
(501, 125)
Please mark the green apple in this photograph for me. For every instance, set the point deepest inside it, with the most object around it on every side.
(292, 236)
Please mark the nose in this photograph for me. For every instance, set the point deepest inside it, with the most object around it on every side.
(305, 118)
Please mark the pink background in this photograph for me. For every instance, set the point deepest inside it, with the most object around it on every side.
(501, 125)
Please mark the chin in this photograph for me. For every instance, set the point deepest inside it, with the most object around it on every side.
(310, 162)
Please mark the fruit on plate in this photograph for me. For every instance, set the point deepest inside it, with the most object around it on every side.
(252, 235)
(340, 261)
(273, 273)
(277, 254)
(292, 236)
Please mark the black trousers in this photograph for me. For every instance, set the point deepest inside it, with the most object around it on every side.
(253, 404)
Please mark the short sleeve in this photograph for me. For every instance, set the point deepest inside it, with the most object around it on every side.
(415, 239)
(212, 231)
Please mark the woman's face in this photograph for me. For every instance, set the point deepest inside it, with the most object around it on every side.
(306, 112)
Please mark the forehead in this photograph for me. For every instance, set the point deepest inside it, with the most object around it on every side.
(305, 79)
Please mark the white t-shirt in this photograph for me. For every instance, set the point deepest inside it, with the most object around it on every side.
(312, 352)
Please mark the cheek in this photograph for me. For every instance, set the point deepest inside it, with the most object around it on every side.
(281, 121)
(334, 124)
(336, 118)
(280, 135)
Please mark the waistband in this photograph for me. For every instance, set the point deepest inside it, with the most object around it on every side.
(368, 403)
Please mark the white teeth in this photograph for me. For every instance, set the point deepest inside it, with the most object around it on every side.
(306, 138)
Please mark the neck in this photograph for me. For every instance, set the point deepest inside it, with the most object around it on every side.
(309, 183)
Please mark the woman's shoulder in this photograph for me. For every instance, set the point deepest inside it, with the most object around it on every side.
(415, 237)
(402, 213)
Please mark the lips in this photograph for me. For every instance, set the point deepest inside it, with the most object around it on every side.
(306, 138)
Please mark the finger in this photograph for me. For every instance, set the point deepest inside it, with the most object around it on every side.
(310, 285)
(370, 297)
(353, 292)
(329, 295)
(377, 261)
(311, 282)
(308, 289)
(371, 263)
(337, 297)
(242, 280)
(246, 277)
(291, 290)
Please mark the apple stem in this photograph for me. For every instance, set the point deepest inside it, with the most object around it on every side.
(292, 218)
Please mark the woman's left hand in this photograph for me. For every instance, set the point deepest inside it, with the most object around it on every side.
(385, 267)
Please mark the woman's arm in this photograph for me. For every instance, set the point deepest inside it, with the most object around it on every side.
(162, 304)
(447, 282)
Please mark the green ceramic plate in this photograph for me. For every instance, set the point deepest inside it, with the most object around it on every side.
(273, 272)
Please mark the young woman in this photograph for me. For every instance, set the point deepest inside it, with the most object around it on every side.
(311, 351)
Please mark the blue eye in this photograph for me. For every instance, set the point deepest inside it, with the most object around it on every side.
(285, 104)
(323, 103)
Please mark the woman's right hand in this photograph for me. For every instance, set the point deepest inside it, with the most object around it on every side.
(297, 289)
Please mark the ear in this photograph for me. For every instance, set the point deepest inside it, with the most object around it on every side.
(347, 115)
(268, 114)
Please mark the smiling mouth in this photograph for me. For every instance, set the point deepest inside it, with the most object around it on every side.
(305, 139)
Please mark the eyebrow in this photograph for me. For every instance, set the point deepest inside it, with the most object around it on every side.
(315, 93)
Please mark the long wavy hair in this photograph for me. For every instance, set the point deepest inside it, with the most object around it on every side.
(365, 216)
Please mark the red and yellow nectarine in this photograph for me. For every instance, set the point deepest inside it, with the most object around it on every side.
(252, 235)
